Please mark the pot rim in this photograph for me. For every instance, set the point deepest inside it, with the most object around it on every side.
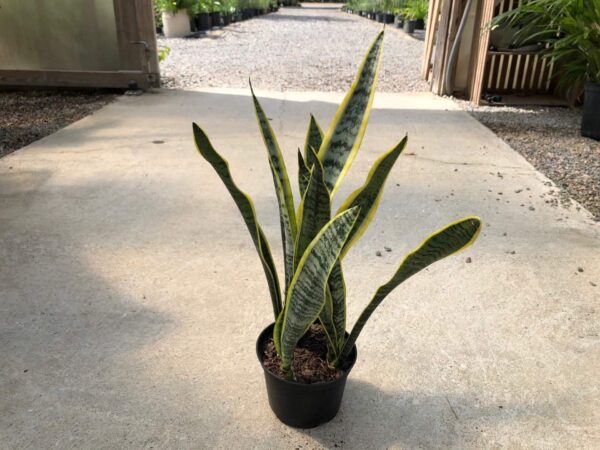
(268, 332)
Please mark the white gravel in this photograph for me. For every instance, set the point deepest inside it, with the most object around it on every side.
(295, 49)
(549, 138)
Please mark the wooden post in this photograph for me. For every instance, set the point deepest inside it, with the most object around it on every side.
(430, 37)
(481, 43)
(441, 48)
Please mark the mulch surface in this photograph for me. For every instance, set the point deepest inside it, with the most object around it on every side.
(26, 116)
(310, 359)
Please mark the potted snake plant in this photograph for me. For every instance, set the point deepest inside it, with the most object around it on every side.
(307, 353)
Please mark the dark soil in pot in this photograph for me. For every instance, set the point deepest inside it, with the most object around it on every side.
(316, 396)
(203, 21)
(590, 121)
(420, 24)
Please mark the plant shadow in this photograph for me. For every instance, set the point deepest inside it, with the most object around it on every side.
(371, 417)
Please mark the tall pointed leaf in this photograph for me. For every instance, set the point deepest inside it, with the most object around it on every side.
(336, 289)
(314, 211)
(347, 129)
(306, 294)
(368, 196)
(445, 242)
(283, 190)
(303, 174)
(314, 138)
(246, 207)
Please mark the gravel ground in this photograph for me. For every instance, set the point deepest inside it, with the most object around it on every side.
(550, 140)
(296, 49)
(28, 116)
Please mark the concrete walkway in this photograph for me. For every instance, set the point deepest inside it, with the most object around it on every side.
(131, 296)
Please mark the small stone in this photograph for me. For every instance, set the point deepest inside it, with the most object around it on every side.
(580, 269)
(468, 260)
(378, 253)
(593, 284)
(158, 142)
(531, 208)
(387, 249)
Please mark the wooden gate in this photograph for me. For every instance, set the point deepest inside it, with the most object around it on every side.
(78, 43)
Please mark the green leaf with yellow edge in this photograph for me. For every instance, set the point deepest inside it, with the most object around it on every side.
(314, 139)
(246, 207)
(345, 134)
(306, 295)
(283, 190)
(368, 196)
(449, 240)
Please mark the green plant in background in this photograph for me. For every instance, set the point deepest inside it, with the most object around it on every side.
(415, 9)
(316, 240)
(172, 6)
(163, 52)
(570, 31)
(228, 6)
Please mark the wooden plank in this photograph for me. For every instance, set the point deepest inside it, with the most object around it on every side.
(486, 14)
(441, 48)
(430, 37)
(62, 78)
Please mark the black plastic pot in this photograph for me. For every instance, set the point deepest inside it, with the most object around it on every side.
(399, 22)
(388, 18)
(302, 405)
(215, 18)
(409, 26)
(379, 17)
(226, 19)
(202, 21)
(420, 25)
(590, 122)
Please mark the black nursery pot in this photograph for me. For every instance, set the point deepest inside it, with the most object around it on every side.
(409, 26)
(226, 19)
(215, 18)
(420, 24)
(379, 17)
(203, 22)
(388, 18)
(590, 121)
(302, 405)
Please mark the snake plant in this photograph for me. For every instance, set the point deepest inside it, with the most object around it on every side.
(315, 240)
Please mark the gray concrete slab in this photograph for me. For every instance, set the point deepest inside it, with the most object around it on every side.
(131, 296)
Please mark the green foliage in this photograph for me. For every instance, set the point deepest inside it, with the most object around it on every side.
(415, 9)
(163, 52)
(386, 6)
(314, 243)
(172, 6)
(570, 31)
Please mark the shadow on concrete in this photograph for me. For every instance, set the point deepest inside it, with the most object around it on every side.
(414, 419)
(74, 373)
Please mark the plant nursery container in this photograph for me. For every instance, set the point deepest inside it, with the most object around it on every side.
(177, 24)
(420, 25)
(303, 405)
(399, 22)
(215, 19)
(409, 26)
(590, 121)
(379, 17)
(203, 21)
(388, 18)
(226, 19)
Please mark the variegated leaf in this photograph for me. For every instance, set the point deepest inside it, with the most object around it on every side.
(314, 139)
(246, 207)
(303, 174)
(283, 190)
(306, 295)
(336, 288)
(445, 242)
(347, 129)
(368, 196)
(314, 211)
